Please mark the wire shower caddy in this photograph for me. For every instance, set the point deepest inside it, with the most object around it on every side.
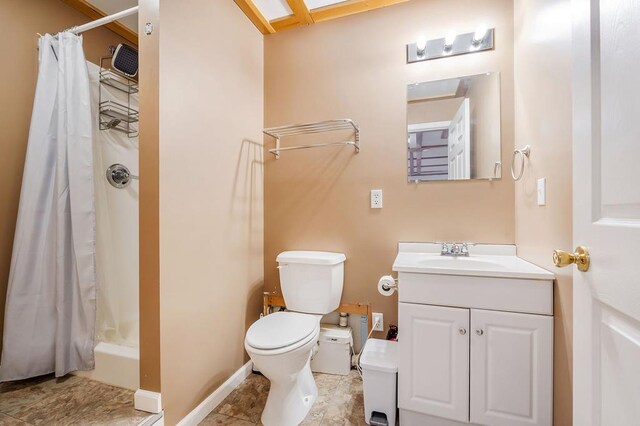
(113, 114)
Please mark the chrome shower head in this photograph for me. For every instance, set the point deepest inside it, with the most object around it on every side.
(125, 60)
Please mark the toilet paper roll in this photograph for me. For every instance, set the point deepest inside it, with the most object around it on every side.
(387, 285)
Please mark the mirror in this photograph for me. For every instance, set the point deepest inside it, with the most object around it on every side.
(453, 129)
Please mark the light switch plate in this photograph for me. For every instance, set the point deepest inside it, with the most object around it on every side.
(376, 198)
(542, 191)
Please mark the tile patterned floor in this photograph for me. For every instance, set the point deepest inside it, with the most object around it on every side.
(339, 403)
(66, 401)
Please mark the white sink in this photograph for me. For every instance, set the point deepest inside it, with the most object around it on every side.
(438, 261)
(485, 260)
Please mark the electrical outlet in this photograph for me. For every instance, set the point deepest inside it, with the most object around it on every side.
(376, 198)
(378, 321)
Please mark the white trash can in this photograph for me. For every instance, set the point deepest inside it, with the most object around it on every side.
(379, 362)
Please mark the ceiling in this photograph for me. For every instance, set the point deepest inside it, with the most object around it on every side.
(433, 90)
(268, 16)
(112, 6)
(276, 9)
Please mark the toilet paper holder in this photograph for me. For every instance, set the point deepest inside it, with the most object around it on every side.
(387, 285)
(394, 286)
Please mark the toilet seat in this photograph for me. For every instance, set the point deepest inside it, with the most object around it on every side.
(282, 332)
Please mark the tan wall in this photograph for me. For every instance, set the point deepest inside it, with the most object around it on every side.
(20, 20)
(211, 196)
(543, 120)
(356, 67)
(149, 200)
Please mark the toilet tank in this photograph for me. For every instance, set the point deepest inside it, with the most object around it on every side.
(311, 281)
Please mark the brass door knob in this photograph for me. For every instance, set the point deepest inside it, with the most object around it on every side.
(580, 258)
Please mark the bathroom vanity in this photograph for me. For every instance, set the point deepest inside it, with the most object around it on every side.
(476, 337)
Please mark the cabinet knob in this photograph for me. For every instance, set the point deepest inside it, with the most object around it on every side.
(462, 331)
(479, 332)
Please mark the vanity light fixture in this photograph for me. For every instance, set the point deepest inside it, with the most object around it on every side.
(451, 45)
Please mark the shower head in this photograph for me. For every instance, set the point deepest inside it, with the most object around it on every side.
(125, 60)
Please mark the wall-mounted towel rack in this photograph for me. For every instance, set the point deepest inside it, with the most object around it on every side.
(308, 128)
(524, 155)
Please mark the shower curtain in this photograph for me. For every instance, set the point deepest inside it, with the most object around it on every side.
(50, 307)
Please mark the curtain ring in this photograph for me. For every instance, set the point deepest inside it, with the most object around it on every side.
(524, 152)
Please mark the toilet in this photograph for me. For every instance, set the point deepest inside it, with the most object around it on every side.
(281, 344)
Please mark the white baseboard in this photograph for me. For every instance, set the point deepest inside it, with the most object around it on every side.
(148, 401)
(153, 420)
(212, 401)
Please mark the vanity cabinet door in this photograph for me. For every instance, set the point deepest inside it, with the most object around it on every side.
(433, 373)
(511, 368)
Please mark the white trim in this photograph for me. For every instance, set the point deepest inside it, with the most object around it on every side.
(148, 401)
(425, 127)
(153, 420)
(212, 401)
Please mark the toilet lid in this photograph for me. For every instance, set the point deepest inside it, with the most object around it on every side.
(281, 329)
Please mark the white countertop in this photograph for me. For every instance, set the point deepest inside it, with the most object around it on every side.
(485, 260)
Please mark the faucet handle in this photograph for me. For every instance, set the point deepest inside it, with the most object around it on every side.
(465, 247)
(445, 248)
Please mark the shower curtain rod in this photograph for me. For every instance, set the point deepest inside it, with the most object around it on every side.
(103, 21)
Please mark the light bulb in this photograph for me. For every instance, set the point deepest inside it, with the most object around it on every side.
(449, 40)
(448, 43)
(421, 45)
(478, 36)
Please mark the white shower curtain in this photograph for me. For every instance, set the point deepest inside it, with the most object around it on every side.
(50, 308)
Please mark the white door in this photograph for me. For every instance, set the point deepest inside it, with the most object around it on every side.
(511, 369)
(460, 143)
(606, 211)
(434, 354)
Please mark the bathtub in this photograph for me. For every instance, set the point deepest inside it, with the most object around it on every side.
(116, 365)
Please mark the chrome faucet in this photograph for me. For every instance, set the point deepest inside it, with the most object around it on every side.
(455, 249)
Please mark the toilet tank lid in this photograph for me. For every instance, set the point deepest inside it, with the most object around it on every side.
(311, 257)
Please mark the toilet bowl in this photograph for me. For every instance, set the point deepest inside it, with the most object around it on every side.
(280, 346)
